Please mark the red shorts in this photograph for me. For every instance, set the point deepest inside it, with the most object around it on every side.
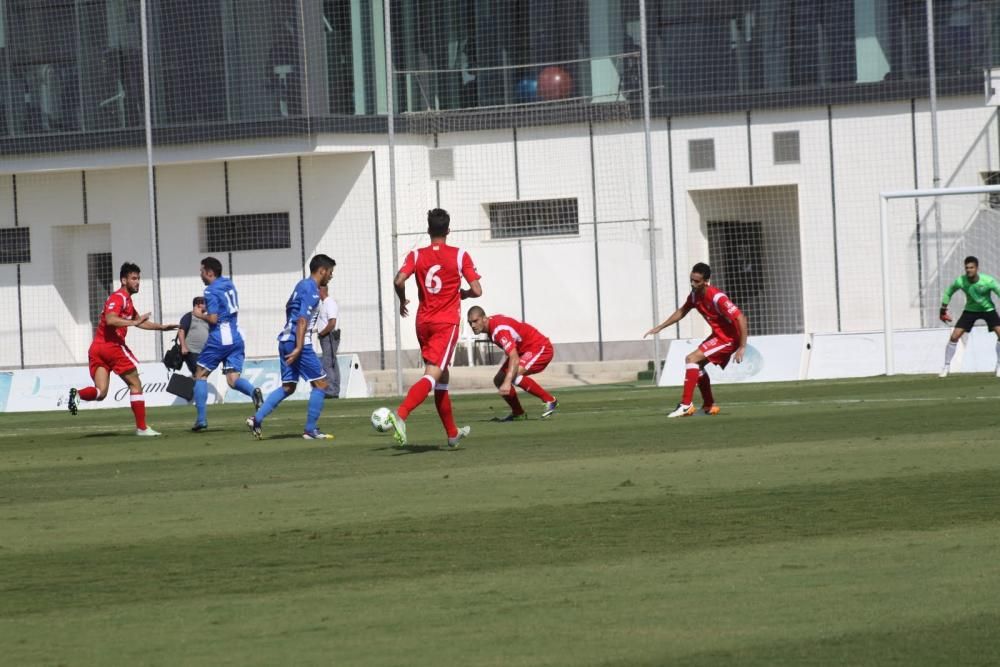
(532, 361)
(115, 357)
(718, 350)
(437, 342)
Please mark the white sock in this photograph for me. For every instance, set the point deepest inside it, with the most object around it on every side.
(998, 352)
(949, 352)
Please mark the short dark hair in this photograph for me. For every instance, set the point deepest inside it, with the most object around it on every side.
(477, 310)
(971, 260)
(702, 268)
(128, 268)
(321, 262)
(198, 299)
(438, 222)
(213, 265)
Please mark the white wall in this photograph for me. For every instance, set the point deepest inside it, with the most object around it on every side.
(346, 178)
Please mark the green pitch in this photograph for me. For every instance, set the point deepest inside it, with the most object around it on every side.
(847, 523)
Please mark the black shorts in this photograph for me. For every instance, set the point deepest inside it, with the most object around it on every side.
(969, 318)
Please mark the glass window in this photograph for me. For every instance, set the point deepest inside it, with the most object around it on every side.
(42, 64)
(188, 62)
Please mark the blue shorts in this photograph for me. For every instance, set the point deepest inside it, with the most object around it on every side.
(307, 366)
(230, 356)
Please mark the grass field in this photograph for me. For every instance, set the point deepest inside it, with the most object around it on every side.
(846, 523)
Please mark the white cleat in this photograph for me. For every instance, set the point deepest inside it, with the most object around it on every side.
(462, 433)
(147, 432)
(944, 371)
(682, 411)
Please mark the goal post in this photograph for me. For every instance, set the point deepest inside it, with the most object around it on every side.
(886, 240)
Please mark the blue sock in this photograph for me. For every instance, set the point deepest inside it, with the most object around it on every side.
(316, 397)
(244, 387)
(200, 399)
(270, 403)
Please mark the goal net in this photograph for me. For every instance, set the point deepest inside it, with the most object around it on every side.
(930, 234)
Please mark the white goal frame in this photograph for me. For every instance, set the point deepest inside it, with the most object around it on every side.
(884, 197)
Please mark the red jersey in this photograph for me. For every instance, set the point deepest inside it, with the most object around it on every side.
(510, 333)
(720, 313)
(119, 303)
(439, 268)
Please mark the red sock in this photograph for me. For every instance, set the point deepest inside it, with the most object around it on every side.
(139, 410)
(533, 388)
(705, 385)
(88, 393)
(514, 402)
(442, 400)
(690, 380)
(418, 392)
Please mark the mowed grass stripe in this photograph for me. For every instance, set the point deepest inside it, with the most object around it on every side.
(217, 501)
(824, 600)
(488, 540)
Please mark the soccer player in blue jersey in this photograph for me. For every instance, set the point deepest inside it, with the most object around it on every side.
(225, 342)
(295, 352)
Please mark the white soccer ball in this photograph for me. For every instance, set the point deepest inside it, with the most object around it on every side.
(380, 420)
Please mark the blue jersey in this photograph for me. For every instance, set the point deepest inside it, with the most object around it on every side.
(302, 303)
(221, 299)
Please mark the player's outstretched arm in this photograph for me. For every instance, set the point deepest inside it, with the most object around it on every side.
(474, 292)
(676, 317)
(149, 325)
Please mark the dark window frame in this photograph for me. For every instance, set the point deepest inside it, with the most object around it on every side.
(532, 218)
(247, 231)
(15, 245)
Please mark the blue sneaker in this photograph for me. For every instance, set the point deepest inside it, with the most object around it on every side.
(255, 428)
(550, 409)
(316, 434)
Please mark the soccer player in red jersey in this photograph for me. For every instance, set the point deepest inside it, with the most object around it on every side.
(528, 351)
(439, 269)
(728, 339)
(109, 353)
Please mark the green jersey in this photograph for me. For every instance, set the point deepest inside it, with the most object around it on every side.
(977, 294)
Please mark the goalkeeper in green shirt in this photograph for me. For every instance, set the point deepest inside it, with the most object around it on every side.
(978, 306)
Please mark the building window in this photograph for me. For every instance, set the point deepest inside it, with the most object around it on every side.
(15, 245)
(540, 217)
(252, 231)
(701, 154)
(786, 147)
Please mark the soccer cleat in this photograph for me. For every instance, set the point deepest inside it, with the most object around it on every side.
(258, 398)
(682, 411)
(711, 409)
(944, 371)
(198, 428)
(398, 429)
(550, 409)
(148, 432)
(462, 433)
(316, 434)
(74, 401)
(255, 428)
(523, 417)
